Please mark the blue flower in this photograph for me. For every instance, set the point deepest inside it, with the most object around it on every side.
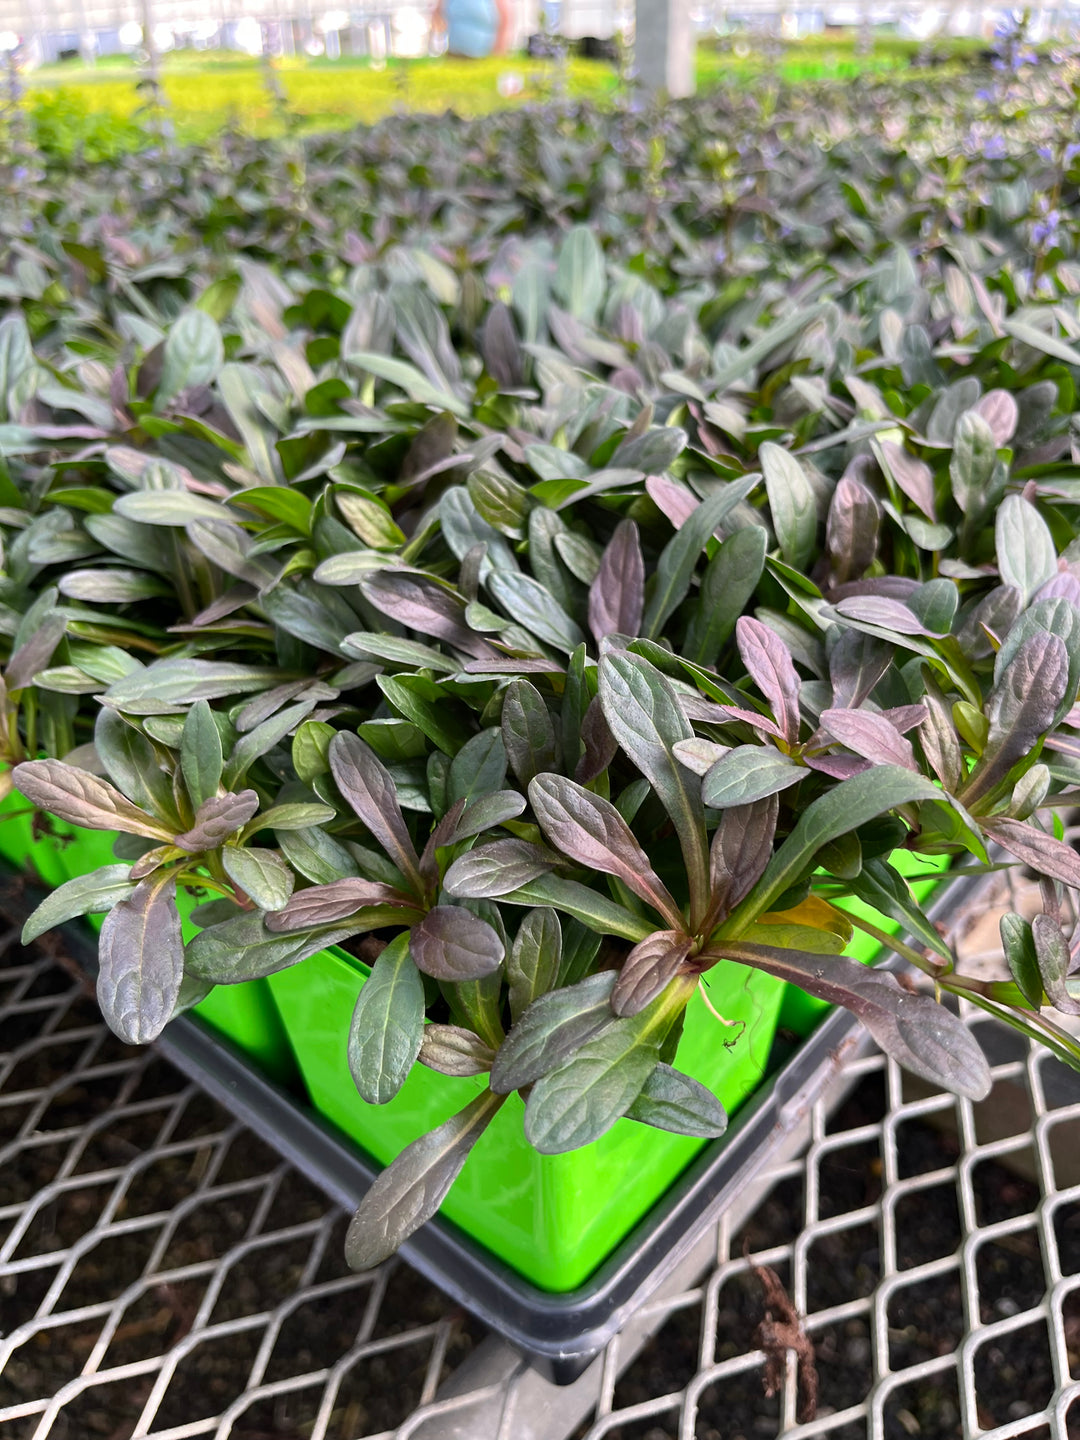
(994, 148)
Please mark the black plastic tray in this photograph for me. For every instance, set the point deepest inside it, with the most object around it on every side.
(559, 1334)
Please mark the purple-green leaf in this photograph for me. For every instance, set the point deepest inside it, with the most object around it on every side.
(82, 799)
(1021, 708)
(644, 715)
(670, 1100)
(617, 595)
(851, 530)
(528, 731)
(496, 869)
(411, 1189)
(591, 832)
(327, 904)
(218, 818)
(869, 735)
(748, 773)
(648, 969)
(915, 1030)
(741, 848)
(532, 964)
(551, 1029)
(141, 961)
(369, 789)
(1052, 953)
(1034, 847)
(452, 943)
(769, 664)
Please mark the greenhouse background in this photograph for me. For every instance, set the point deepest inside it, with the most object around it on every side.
(69, 29)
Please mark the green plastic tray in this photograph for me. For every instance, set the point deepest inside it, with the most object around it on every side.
(553, 1218)
(244, 1014)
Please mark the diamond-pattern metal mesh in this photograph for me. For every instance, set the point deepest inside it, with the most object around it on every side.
(163, 1273)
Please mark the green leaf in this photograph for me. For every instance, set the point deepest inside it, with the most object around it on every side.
(171, 685)
(244, 949)
(679, 558)
(410, 1190)
(850, 804)
(478, 768)
(167, 507)
(1040, 340)
(528, 732)
(972, 465)
(261, 874)
(408, 378)
(193, 355)
(595, 911)
(672, 1101)
(580, 280)
(85, 895)
(317, 856)
(387, 1024)
(141, 961)
(200, 754)
(580, 1100)
(533, 961)
(422, 702)
(646, 719)
(749, 773)
(792, 504)
(1026, 557)
(550, 1029)
(1018, 944)
(527, 602)
(132, 764)
(729, 581)
(261, 740)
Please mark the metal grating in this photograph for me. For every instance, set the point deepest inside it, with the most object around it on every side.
(163, 1273)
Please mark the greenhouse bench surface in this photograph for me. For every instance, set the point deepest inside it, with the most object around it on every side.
(912, 1269)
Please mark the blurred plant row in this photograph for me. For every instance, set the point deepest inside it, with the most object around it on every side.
(560, 555)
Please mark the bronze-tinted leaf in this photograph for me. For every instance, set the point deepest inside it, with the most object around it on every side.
(740, 850)
(591, 832)
(1021, 708)
(769, 664)
(82, 799)
(497, 869)
(857, 663)
(915, 1030)
(218, 818)
(453, 1050)
(326, 904)
(410, 1190)
(648, 969)
(452, 943)
(368, 787)
(871, 736)
(141, 961)
(1052, 953)
(617, 595)
(528, 731)
(851, 530)
(1034, 847)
